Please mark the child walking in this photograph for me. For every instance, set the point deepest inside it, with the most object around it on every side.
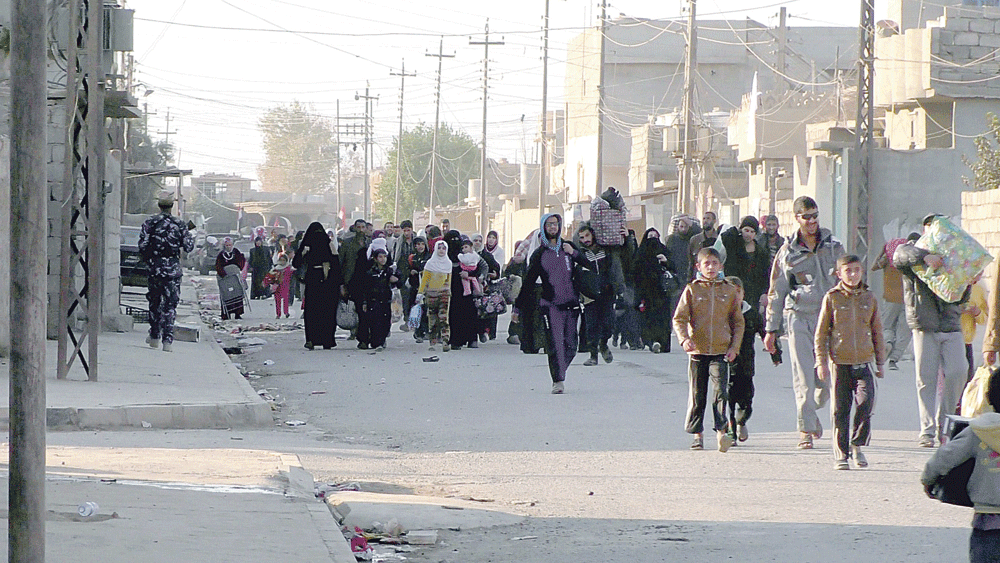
(849, 334)
(281, 276)
(435, 293)
(741, 389)
(376, 311)
(709, 324)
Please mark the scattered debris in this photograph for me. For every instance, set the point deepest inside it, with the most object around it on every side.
(522, 538)
(295, 423)
(338, 509)
(421, 537)
(268, 362)
(431, 359)
(251, 341)
(233, 350)
(146, 424)
(524, 502)
(474, 499)
(318, 393)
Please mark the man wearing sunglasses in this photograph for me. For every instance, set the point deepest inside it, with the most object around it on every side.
(802, 273)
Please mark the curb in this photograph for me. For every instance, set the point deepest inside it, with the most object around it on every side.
(301, 486)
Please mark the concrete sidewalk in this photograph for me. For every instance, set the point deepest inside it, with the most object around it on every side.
(195, 386)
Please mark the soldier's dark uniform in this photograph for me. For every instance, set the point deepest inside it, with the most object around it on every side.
(160, 243)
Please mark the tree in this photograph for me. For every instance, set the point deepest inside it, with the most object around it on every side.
(986, 169)
(457, 162)
(143, 190)
(299, 150)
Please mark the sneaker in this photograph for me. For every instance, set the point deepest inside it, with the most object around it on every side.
(841, 465)
(418, 340)
(892, 365)
(167, 347)
(926, 441)
(309, 346)
(404, 327)
(153, 342)
(607, 355)
(859, 458)
(483, 338)
(278, 317)
(656, 347)
(362, 346)
(624, 345)
(513, 339)
(725, 441)
(614, 342)
(431, 348)
(805, 441)
(698, 443)
(591, 361)
(445, 348)
(473, 344)
(286, 315)
(557, 388)
(742, 434)
(819, 430)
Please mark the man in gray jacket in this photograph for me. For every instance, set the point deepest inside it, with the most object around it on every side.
(937, 340)
(803, 271)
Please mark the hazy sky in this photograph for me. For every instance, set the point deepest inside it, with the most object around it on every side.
(217, 65)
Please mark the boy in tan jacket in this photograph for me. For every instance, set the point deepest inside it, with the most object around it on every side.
(709, 324)
(849, 335)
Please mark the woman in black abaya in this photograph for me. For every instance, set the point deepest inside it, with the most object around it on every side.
(651, 261)
(324, 281)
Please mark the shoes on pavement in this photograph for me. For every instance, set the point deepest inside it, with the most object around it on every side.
(742, 433)
(286, 315)
(404, 327)
(456, 348)
(168, 347)
(656, 347)
(698, 443)
(591, 361)
(892, 365)
(926, 441)
(362, 345)
(473, 344)
(513, 339)
(614, 342)
(483, 338)
(805, 441)
(636, 347)
(725, 441)
(607, 355)
(558, 388)
(278, 317)
(418, 340)
(153, 342)
(309, 346)
(445, 348)
(624, 345)
(859, 458)
(841, 465)
(819, 430)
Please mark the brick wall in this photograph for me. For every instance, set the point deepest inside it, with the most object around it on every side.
(981, 219)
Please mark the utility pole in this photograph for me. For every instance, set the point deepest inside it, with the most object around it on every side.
(600, 100)
(543, 171)
(337, 128)
(29, 293)
(437, 118)
(781, 84)
(484, 222)
(685, 195)
(368, 136)
(864, 145)
(399, 140)
(166, 134)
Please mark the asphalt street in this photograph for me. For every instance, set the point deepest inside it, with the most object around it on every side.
(601, 473)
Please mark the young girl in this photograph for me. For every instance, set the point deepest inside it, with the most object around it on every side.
(281, 276)
(376, 316)
(435, 286)
(469, 262)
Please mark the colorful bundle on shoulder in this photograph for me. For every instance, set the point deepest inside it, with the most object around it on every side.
(963, 258)
(608, 215)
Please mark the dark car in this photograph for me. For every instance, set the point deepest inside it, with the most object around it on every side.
(134, 270)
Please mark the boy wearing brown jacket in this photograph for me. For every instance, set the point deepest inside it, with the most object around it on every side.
(849, 335)
(709, 324)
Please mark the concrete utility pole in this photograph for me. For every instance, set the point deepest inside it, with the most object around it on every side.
(864, 145)
(337, 129)
(685, 195)
(484, 222)
(28, 296)
(399, 140)
(166, 134)
(600, 101)
(368, 137)
(437, 119)
(781, 84)
(543, 171)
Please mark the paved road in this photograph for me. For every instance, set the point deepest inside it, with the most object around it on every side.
(602, 473)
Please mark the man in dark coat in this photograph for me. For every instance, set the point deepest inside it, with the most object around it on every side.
(160, 243)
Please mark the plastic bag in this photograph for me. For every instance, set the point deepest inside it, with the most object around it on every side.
(963, 258)
(347, 317)
(974, 401)
(397, 306)
(415, 313)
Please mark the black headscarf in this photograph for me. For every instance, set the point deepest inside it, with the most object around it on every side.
(319, 245)
(454, 240)
(648, 249)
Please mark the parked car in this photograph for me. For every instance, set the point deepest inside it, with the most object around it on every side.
(134, 270)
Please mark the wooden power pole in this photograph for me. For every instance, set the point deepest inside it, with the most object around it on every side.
(484, 222)
(399, 140)
(437, 120)
(685, 195)
(29, 293)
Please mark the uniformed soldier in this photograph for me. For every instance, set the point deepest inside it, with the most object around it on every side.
(160, 243)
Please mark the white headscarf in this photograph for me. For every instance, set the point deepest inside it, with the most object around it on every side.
(377, 244)
(439, 264)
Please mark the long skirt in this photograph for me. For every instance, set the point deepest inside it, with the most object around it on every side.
(321, 298)
(462, 320)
